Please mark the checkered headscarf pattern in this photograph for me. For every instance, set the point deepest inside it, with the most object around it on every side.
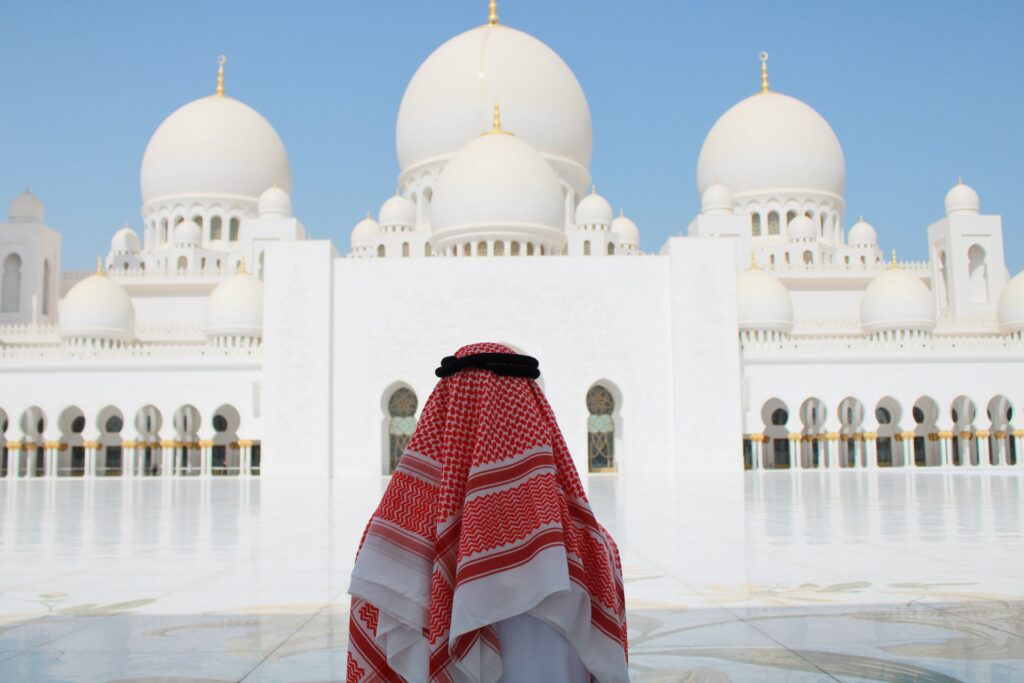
(485, 497)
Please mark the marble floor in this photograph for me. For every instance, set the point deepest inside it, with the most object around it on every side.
(770, 576)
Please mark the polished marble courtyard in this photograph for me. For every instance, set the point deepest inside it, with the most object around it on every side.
(771, 576)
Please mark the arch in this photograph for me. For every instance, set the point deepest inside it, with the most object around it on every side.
(400, 406)
(529, 248)
(481, 248)
(602, 411)
(224, 458)
(186, 422)
(813, 451)
(3, 443)
(380, 251)
(514, 249)
(755, 224)
(46, 287)
(964, 445)
(148, 421)
(790, 215)
(775, 416)
(977, 267)
(808, 258)
(216, 228)
(611, 249)
(586, 247)
(72, 423)
(467, 249)
(427, 250)
(109, 455)
(405, 249)
(773, 222)
(10, 285)
(163, 230)
(233, 227)
(1002, 446)
(33, 426)
(851, 429)
(499, 248)
(925, 413)
(182, 263)
(888, 449)
(943, 280)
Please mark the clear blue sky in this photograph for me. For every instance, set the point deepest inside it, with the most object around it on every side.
(918, 92)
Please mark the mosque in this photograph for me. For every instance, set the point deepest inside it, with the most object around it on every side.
(222, 340)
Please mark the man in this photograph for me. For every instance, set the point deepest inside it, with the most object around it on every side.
(484, 561)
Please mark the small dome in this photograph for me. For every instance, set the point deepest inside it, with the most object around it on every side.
(1011, 305)
(862, 235)
(801, 228)
(763, 303)
(25, 208)
(397, 211)
(625, 228)
(274, 203)
(235, 307)
(497, 187)
(897, 300)
(125, 241)
(188, 234)
(717, 199)
(594, 210)
(365, 232)
(97, 308)
(962, 199)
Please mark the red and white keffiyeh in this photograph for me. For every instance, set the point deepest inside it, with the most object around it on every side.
(484, 519)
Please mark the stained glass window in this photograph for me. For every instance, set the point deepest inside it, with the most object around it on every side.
(401, 425)
(600, 430)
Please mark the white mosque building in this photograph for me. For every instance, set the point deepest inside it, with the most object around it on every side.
(221, 340)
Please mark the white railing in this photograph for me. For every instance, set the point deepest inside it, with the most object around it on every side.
(756, 343)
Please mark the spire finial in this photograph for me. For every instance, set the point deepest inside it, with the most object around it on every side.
(753, 261)
(220, 74)
(99, 265)
(593, 189)
(622, 212)
(496, 128)
(892, 263)
(492, 14)
(959, 180)
(241, 266)
(764, 71)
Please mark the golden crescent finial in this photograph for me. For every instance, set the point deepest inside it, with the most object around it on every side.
(221, 61)
(241, 266)
(764, 71)
(892, 263)
(99, 265)
(492, 14)
(753, 261)
(496, 128)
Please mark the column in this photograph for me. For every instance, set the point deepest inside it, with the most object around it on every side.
(167, 458)
(129, 454)
(13, 459)
(31, 451)
(206, 457)
(1018, 444)
(909, 456)
(871, 450)
(984, 452)
(945, 451)
(794, 450)
(999, 453)
(832, 448)
(245, 457)
(51, 454)
(966, 452)
(91, 451)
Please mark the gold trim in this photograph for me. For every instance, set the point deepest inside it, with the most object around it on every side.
(1000, 434)
(167, 443)
(966, 435)
(870, 436)
(794, 437)
(1018, 433)
(206, 443)
(129, 443)
(832, 436)
(244, 443)
(945, 435)
(51, 444)
(492, 13)
(14, 445)
(91, 444)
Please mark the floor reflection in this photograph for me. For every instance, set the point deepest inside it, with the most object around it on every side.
(769, 576)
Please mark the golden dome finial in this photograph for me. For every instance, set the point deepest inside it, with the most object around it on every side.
(753, 261)
(220, 74)
(99, 265)
(241, 266)
(492, 14)
(764, 71)
(892, 263)
(496, 128)
(959, 180)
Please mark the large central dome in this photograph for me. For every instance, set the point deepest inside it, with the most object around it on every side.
(457, 86)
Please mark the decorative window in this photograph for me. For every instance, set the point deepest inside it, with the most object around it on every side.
(755, 224)
(401, 424)
(380, 250)
(611, 249)
(529, 248)
(600, 430)
(481, 248)
(515, 248)
(46, 286)
(499, 248)
(216, 228)
(10, 289)
(233, 230)
(773, 223)
(586, 247)
(405, 248)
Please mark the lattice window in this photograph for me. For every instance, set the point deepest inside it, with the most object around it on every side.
(401, 425)
(600, 430)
